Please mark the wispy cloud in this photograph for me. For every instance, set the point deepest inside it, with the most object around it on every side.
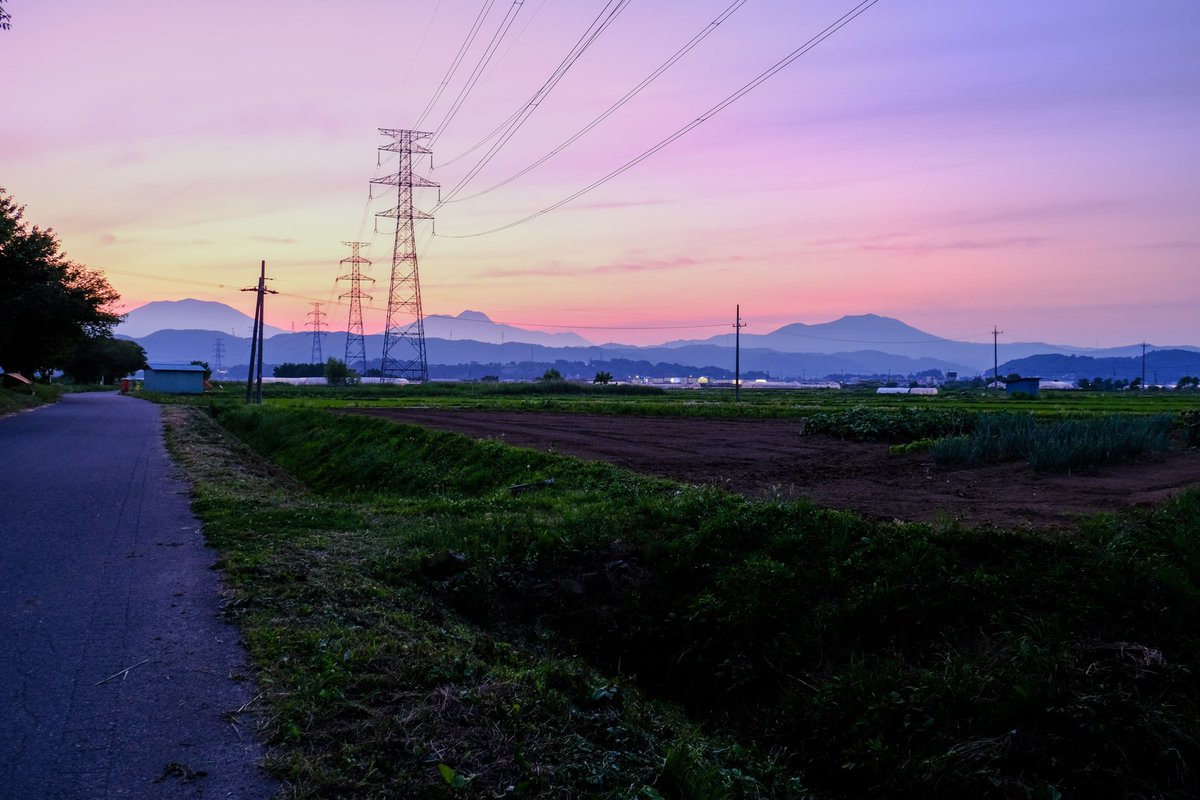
(612, 204)
(911, 244)
(630, 264)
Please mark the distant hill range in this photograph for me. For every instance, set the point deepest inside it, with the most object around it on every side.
(162, 315)
(471, 342)
(1162, 366)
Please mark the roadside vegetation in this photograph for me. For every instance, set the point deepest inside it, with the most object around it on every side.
(20, 397)
(436, 616)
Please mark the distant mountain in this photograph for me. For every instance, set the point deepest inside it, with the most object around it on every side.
(162, 315)
(1162, 366)
(477, 326)
(866, 344)
(886, 334)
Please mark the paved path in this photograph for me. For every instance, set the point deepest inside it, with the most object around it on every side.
(104, 568)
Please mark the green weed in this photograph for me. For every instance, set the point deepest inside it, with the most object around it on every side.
(612, 635)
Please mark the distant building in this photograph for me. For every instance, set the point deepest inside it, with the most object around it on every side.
(923, 390)
(1025, 386)
(174, 379)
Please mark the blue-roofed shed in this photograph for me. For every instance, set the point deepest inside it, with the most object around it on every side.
(1023, 386)
(174, 378)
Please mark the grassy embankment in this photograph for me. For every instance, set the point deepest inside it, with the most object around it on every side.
(19, 399)
(612, 635)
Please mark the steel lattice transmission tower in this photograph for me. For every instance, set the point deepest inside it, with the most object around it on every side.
(317, 332)
(404, 328)
(356, 343)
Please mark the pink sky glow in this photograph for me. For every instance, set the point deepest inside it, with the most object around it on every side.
(955, 164)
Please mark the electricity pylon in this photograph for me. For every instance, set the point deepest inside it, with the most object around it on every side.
(404, 328)
(356, 343)
(317, 332)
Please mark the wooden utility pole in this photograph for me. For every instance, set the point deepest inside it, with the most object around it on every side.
(256, 339)
(737, 354)
(996, 356)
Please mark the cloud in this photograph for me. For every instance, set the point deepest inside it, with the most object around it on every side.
(632, 264)
(912, 244)
(612, 204)
(922, 247)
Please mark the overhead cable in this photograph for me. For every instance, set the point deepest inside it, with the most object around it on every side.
(833, 28)
(462, 51)
(480, 65)
(695, 40)
(603, 20)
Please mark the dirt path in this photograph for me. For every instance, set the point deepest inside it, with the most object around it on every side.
(770, 458)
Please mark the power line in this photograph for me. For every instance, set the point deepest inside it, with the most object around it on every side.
(484, 59)
(833, 28)
(646, 81)
(462, 51)
(603, 20)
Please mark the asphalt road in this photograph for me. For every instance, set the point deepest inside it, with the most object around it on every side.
(116, 674)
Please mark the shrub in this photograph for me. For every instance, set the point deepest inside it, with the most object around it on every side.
(906, 424)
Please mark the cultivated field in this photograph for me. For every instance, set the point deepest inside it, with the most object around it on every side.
(772, 458)
(439, 615)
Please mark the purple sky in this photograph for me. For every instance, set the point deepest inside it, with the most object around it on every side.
(1033, 165)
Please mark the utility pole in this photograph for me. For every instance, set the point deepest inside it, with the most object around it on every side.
(356, 343)
(737, 354)
(256, 338)
(404, 328)
(996, 356)
(316, 314)
(1143, 366)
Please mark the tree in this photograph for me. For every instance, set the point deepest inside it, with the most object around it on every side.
(551, 374)
(207, 369)
(290, 369)
(338, 374)
(103, 359)
(49, 306)
(5, 17)
(602, 377)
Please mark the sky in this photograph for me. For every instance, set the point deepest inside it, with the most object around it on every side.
(1028, 165)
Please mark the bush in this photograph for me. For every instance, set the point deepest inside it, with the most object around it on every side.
(906, 424)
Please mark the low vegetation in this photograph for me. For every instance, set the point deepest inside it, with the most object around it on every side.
(1057, 446)
(435, 616)
(20, 396)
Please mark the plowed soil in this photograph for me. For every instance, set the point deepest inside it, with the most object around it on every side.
(772, 458)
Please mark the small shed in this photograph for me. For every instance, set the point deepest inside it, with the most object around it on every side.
(174, 378)
(1023, 386)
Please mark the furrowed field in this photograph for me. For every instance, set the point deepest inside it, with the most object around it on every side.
(435, 615)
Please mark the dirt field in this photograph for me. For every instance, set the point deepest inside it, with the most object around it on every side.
(770, 458)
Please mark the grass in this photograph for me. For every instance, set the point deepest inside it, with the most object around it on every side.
(709, 402)
(376, 686)
(1057, 446)
(423, 630)
(19, 399)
